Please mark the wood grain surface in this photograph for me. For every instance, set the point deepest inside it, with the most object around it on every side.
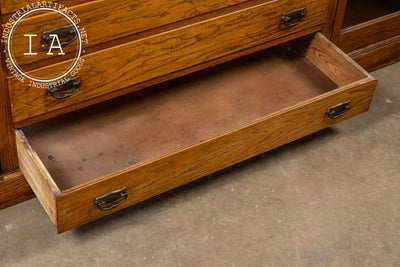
(129, 64)
(330, 60)
(273, 128)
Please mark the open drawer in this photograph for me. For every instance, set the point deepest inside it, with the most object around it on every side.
(90, 163)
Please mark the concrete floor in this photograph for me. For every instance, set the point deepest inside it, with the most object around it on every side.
(330, 199)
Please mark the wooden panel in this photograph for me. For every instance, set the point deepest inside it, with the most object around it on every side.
(370, 32)
(379, 55)
(145, 59)
(14, 189)
(37, 176)
(109, 20)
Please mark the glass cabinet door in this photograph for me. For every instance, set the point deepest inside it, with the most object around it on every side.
(359, 11)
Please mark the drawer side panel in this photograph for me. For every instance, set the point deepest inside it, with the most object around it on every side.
(37, 176)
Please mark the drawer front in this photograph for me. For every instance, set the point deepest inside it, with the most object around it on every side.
(109, 20)
(134, 63)
(207, 151)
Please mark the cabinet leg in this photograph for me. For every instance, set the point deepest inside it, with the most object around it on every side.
(14, 189)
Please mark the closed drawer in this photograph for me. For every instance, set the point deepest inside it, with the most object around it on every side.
(154, 140)
(109, 20)
(137, 64)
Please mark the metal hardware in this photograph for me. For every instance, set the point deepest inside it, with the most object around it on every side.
(294, 17)
(110, 198)
(64, 88)
(63, 33)
(339, 110)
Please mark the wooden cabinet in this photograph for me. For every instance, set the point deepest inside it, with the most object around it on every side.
(209, 84)
(369, 31)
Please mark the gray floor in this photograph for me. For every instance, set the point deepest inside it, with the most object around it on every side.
(330, 199)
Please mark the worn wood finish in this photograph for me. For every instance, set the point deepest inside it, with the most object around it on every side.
(370, 32)
(378, 55)
(213, 150)
(14, 189)
(109, 20)
(145, 59)
(45, 189)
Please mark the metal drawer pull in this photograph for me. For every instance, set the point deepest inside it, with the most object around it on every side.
(294, 17)
(110, 198)
(339, 110)
(64, 33)
(66, 89)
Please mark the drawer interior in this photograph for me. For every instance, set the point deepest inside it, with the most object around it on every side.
(135, 129)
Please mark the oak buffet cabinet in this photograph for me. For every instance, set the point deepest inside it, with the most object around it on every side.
(170, 91)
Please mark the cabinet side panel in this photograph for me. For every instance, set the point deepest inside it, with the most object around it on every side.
(8, 150)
